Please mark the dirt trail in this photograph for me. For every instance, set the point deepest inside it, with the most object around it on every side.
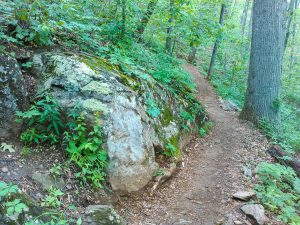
(200, 193)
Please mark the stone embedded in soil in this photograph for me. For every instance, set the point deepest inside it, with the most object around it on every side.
(255, 212)
(229, 220)
(102, 215)
(47, 181)
(243, 195)
(4, 169)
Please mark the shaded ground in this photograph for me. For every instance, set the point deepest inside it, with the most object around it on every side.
(211, 171)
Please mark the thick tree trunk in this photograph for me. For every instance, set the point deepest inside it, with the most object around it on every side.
(192, 55)
(267, 49)
(170, 27)
(145, 19)
(216, 45)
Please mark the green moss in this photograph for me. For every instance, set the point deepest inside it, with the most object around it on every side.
(167, 116)
(98, 64)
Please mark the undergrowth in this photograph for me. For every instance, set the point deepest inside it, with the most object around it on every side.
(278, 189)
(44, 122)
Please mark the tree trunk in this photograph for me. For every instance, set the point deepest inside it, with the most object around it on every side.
(294, 31)
(267, 49)
(145, 19)
(170, 27)
(192, 54)
(244, 17)
(292, 7)
(123, 28)
(215, 49)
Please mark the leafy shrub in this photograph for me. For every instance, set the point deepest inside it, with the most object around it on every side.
(171, 150)
(84, 148)
(44, 121)
(52, 199)
(45, 126)
(278, 190)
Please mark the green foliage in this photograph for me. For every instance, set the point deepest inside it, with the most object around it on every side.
(52, 199)
(152, 108)
(84, 148)
(206, 127)
(44, 121)
(45, 126)
(171, 150)
(7, 189)
(159, 172)
(15, 208)
(56, 170)
(278, 190)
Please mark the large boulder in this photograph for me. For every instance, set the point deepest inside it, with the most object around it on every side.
(132, 135)
(12, 94)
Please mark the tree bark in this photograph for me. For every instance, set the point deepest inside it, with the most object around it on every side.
(192, 54)
(216, 45)
(266, 58)
(145, 19)
(294, 31)
(244, 17)
(170, 27)
(292, 7)
(123, 28)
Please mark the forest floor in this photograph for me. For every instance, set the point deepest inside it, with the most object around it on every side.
(213, 168)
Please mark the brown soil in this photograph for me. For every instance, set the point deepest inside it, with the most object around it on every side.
(211, 171)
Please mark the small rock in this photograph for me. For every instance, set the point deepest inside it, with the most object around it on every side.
(244, 195)
(247, 171)
(183, 222)
(236, 222)
(255, 212)
(102, 215)
(4, 169)
(229, 105)
(229, 220)
(47, 181)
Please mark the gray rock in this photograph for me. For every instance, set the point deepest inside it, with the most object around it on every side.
(229, 105)
(4, 169)
(229, 219)
(243, 195)
(132, 134)
(12, 94)
(47, 181)
(183, 222)
(247, 171)
(255, 212)
(102, 215)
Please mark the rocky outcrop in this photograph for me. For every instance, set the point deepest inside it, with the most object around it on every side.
(12, 94)
(132, 132)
